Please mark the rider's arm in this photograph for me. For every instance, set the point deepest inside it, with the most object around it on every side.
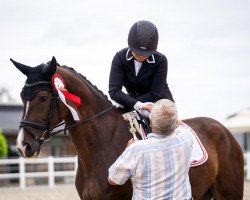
(116, 82)
(158, 86)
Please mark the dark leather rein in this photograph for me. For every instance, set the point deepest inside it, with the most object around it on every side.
(48, 133)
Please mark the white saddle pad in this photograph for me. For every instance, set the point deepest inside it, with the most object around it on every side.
(199, 154)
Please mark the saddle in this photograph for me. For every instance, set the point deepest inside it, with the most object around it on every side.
(138, 124)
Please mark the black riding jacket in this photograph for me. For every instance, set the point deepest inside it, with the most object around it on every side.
(149, 85)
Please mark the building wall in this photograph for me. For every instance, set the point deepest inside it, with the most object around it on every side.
(244, 141)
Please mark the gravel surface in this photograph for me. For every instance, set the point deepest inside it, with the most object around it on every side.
(247, 191)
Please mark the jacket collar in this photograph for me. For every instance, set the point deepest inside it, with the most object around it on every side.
(129, 56)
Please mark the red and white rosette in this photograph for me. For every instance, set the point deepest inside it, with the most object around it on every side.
(64, 95)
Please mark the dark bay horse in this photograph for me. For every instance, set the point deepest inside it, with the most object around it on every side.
(102, 134)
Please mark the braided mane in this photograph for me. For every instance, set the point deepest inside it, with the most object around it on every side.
(85, 80)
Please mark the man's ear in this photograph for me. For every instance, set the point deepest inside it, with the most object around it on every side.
(178, 123)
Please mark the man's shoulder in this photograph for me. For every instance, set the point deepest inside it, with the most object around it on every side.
(184, 132)
(146, 146)
(138, 144)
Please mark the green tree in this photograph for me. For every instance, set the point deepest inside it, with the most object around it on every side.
(3, 146)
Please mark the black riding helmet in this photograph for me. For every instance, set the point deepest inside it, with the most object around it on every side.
(143, 38)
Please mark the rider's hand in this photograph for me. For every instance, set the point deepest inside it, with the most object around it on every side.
(143, 108)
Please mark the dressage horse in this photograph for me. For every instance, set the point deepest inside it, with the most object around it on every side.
(100, 135)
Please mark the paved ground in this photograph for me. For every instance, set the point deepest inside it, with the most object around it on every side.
(65, 192)
(247, 191)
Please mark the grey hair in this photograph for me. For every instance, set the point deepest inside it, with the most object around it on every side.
(164, 117)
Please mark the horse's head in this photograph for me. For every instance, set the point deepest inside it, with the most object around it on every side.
(42, 110)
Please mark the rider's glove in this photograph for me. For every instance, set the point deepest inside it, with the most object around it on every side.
(139, 107)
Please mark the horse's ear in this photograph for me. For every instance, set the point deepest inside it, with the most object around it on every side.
(23, 68)
(51, 67)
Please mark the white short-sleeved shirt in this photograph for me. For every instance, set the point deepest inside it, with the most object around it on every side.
(158, 166)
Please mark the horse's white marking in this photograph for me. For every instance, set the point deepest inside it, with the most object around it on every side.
(19, 142)
(20, 136)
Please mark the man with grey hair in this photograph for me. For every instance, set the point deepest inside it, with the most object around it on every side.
(158, 166)
(164, 117)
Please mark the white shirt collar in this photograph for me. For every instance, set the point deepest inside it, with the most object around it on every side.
(155, 135)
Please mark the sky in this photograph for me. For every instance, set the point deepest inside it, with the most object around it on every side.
(207, 44)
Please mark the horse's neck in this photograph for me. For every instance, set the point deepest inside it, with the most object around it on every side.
(98, 142)
(102, 139)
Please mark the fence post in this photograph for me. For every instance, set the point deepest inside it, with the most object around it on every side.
(76, 163)
(51, 172)
(247, 161)
(22, 173)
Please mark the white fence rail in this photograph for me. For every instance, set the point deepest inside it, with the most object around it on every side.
(48, 169)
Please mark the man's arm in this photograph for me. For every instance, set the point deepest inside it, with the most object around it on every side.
(120, 170)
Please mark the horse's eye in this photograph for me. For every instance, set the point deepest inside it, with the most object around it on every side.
(43, 98)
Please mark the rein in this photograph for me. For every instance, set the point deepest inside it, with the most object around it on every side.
(80, 122)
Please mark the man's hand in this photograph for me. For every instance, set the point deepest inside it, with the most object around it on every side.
(148, 106)
(111, 182)
(130, 141)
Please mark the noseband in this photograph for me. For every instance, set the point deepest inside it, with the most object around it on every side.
(48, 132)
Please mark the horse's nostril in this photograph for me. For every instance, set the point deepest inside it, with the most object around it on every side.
(29, 152)
(24, 149)
(24, 144)
(21, 152)
(28, 147)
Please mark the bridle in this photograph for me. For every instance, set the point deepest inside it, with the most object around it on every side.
(47, 131)
(45, 127)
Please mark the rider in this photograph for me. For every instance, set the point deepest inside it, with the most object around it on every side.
(140, 69)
